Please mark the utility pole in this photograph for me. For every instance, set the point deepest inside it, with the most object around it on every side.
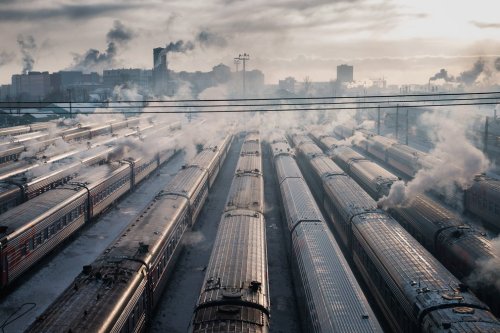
(485, 148)
(378, 120)
(237, 63)
(397, 121)
(70, 105)
(243, 57)
(406, 142)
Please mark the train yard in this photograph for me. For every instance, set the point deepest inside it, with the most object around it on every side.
(251, 232)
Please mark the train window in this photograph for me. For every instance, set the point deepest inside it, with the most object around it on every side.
(23, 249)
(38, 238)
(46, 233)
(31, 244)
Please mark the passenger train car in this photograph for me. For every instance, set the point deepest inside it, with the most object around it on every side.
(414, 291)
(19, 188)
(25, 128)
(119, 290)
(460, 247)
(329, 297)
(482, 198)
(29, 231)
(235, 293)
(12, 152)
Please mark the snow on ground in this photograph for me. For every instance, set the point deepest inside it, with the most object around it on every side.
(54, 275)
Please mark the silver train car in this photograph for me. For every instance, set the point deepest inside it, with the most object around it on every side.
(120, 289)
(415, 292)
(329, 297)
(25, 129)
(31, 230)
(19, 188)
(235, 293)
(483, 200)
(460, 247)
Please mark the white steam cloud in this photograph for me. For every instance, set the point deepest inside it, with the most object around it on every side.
(453, 161)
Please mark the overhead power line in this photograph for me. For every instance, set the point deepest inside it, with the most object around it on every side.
(273, 98)
(271, 110)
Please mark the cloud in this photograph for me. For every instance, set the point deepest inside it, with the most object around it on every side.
(70, 12)
(6, 57)
(485, 25)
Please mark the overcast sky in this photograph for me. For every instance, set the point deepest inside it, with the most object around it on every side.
(402, 40)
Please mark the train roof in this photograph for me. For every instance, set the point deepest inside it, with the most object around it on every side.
(334, 294)
(246, 192)
(299, 202)
(38, 208)
(286, 167)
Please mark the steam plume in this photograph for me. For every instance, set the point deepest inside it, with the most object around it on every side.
(28, 46)
(488, 271)
(497, 64)
(453, 161)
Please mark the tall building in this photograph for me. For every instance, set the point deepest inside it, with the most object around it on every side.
(160, 70)
(135, 76)
(345, 73)
(34, 85)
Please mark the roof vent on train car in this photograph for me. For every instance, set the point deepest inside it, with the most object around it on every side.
(255, 286)
(446, 325)
(365, 316)
(463, 310)
(231, 294)
(143, 248)
(87, 269)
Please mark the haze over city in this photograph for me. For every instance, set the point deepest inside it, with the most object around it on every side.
(403, 41)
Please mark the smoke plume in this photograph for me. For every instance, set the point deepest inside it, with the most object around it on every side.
(442, 74)
(209, 39)
(470, 76)
(453, 161)
(27, 44)
(180, 46)
(467, 77)
(94, 59)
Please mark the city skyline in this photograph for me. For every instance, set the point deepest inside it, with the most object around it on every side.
(403, 41)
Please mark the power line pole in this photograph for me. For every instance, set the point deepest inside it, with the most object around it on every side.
(70, 105)
(243, 57)
(378, 120)
(237, 63)
(397, 121)
(406, 142)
